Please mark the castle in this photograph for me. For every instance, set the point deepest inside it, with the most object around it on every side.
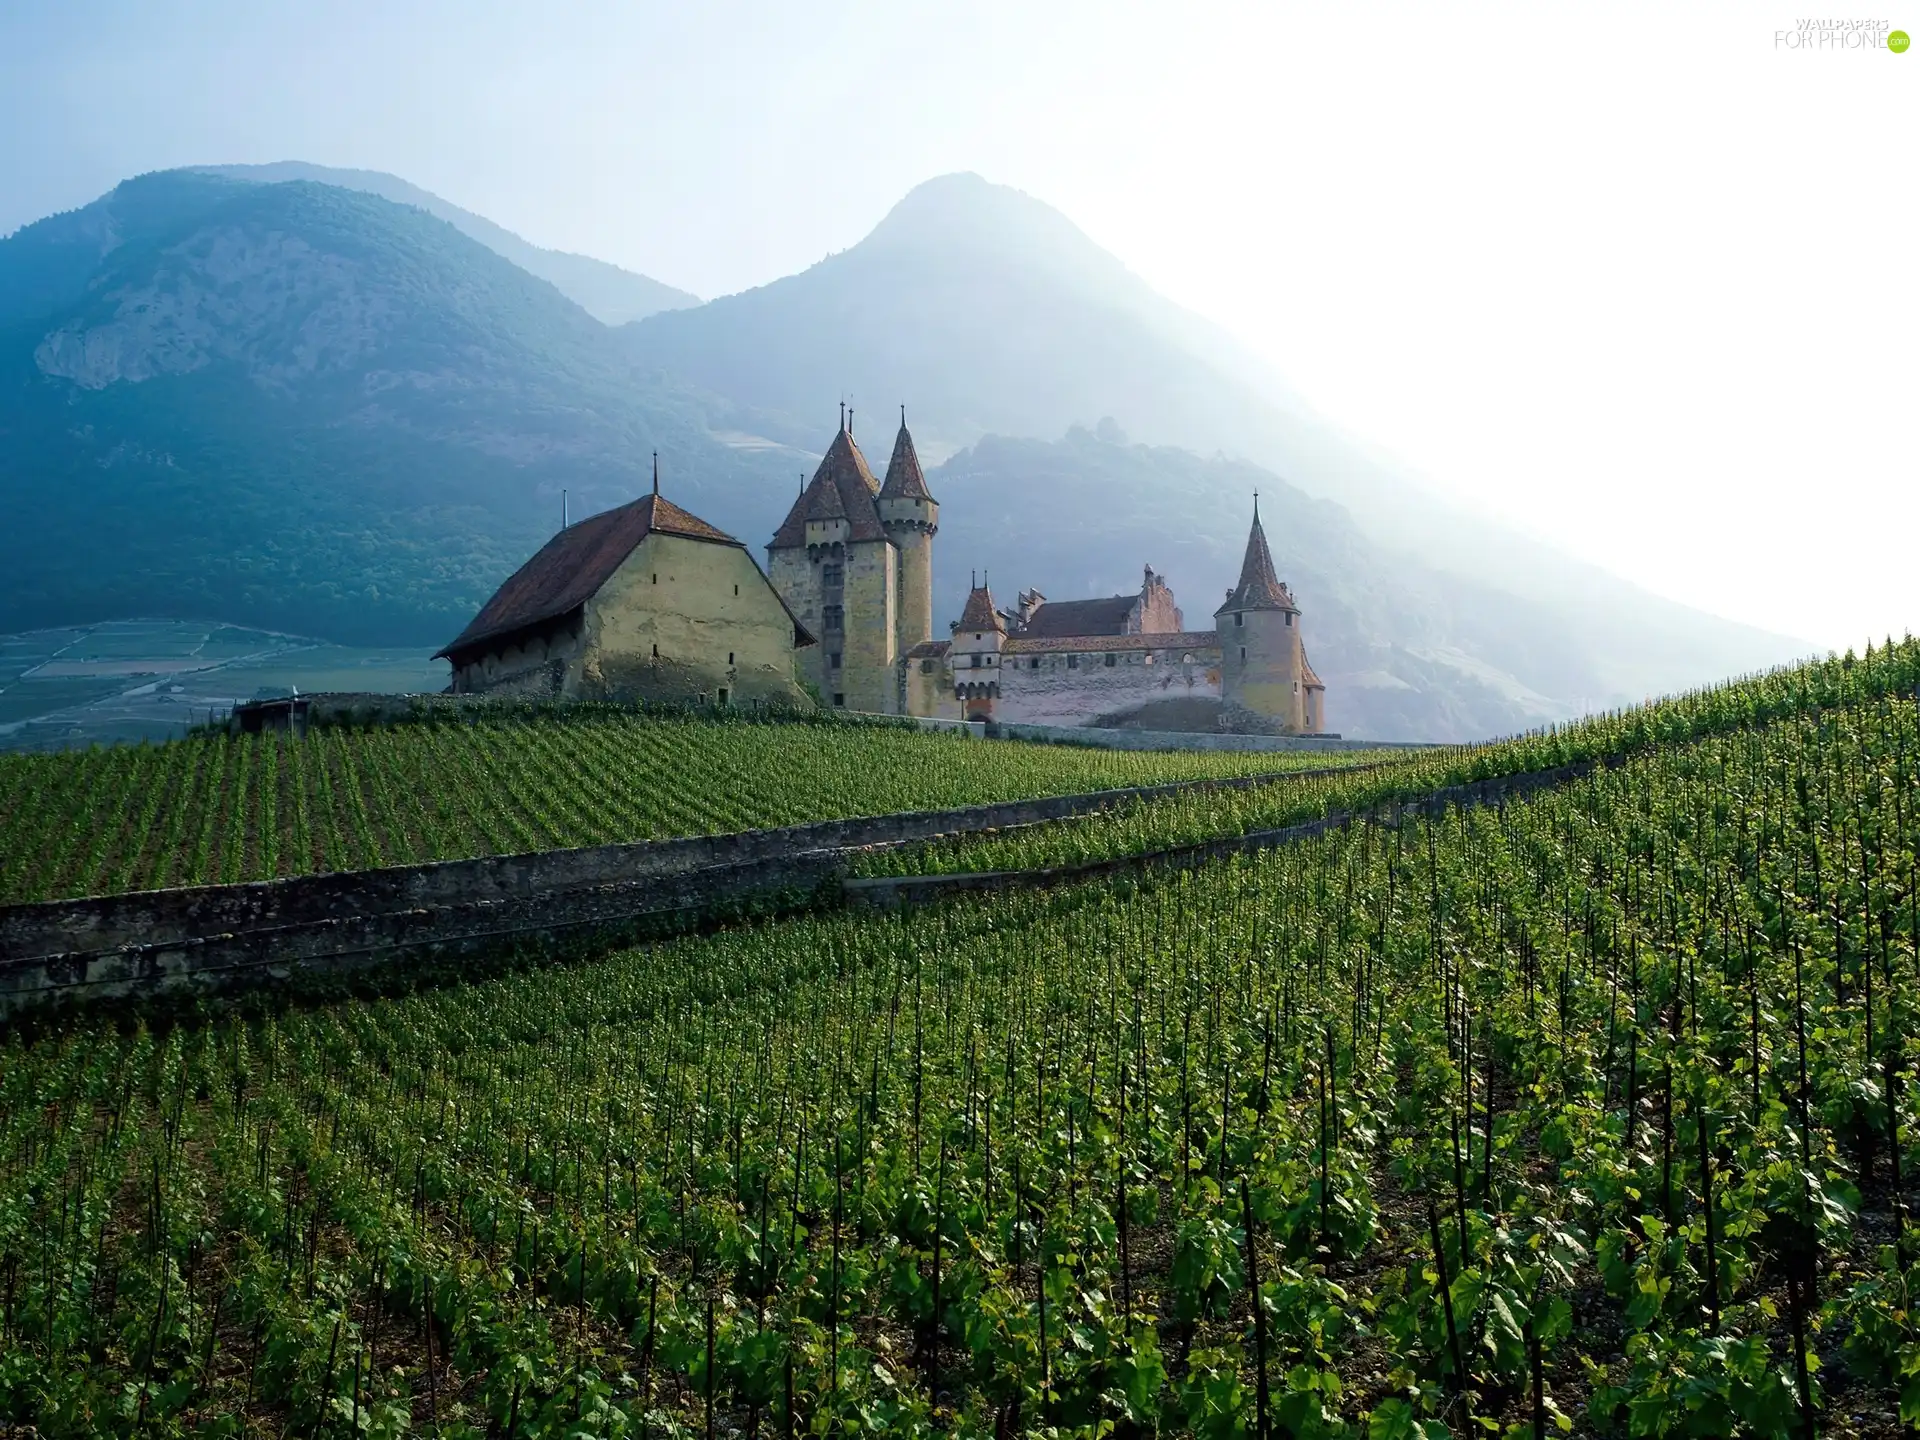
(853, 560)
(844, 613)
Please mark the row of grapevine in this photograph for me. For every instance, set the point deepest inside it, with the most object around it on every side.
(1145, 826)
(1591, 1110)
(208, 810)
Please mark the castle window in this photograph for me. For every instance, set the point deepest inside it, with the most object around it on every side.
(926, 667)
(840, 700)
(729, 657)
(833, 660)
(736, 589)
(1110, 660)
(1034, 664)
(834, 617)
(1243, 652)
(724, 696)
(656, 652)
(1238, 618)
(833, 574)
(973, 662)
(1073, 662)
(1289, 619)
(656, 579)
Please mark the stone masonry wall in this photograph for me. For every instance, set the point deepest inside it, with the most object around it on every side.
(210, 938)
(1061, 694)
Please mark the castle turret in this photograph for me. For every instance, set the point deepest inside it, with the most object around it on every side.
(911, 518)
(1262, 661)
(979, 635)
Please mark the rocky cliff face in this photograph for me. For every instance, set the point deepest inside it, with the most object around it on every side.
(266, 300)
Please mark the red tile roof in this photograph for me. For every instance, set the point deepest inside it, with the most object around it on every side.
(929, 650)
(842, 488)
(570, 568)
(1307, 677)
(1259, 587)
(904, 477)
(979, 614)
(1183, 640)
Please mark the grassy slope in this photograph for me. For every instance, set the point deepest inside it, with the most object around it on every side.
(207, 810)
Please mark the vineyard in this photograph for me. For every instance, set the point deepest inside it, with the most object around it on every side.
(211, 810)
(1591, 1112)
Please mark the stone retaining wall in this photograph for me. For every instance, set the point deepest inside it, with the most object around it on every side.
(890, 891)
(214, 936)
(1113, 739)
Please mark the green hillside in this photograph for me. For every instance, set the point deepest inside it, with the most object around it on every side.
(213, 810)
(306, 407)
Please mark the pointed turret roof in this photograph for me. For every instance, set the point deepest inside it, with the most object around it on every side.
(1307, 677)
(905, 480)
(843, 488)
(1259, 587)
(979, 614)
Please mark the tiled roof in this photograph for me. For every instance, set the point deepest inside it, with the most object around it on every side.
(1307, 677)
(929, 650)
(904, 478)
(566, 571)
(1081, 617)
(843, 487)
(1185, 640)
(1259, 587)
(979, 614)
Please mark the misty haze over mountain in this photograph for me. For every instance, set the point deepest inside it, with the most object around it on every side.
(329, 402)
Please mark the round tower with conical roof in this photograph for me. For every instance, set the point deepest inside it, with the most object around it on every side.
(912, 518)
(1262, 660)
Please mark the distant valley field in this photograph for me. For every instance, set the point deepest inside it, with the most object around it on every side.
(130, 680)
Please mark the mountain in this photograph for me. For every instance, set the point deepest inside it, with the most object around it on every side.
(319, 410)
(991, 313)
(611, 295)
(311, 407)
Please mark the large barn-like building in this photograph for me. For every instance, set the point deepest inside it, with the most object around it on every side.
(644, 601)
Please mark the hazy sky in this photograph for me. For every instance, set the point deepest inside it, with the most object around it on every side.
(1639, 280)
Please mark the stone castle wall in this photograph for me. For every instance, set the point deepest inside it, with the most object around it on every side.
(1082, 689)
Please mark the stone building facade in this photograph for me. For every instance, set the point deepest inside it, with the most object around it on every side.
(1128, 660)
(641, 602)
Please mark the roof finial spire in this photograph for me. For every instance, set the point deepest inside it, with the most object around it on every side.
(656, 474)
(1256, 506)
(849, 421)
(903, 415)
(973, 579)
(843, 416)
